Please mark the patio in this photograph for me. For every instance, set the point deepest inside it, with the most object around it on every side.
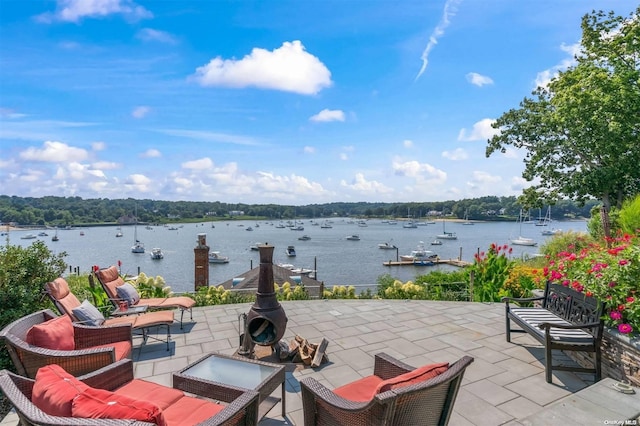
(504, 385)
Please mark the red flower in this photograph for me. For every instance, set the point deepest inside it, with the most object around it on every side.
(95, 268)
(119, 263)
(623, 262)
(630, 299)
(589, 294)
(625, 328)
(615, 315)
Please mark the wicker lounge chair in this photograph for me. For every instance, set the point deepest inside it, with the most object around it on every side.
(94, 348)
(110, 279)
(66, 302)
(418, 401)
(240, 406)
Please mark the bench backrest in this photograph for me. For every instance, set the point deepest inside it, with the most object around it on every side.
(572, 305)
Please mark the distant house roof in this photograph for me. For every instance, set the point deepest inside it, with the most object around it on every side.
(249, 280)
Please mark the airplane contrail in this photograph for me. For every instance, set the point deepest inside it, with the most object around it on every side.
(450, 9)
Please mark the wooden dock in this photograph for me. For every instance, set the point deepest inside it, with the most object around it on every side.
(453, 262)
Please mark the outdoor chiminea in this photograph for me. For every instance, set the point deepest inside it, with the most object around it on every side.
(266, 321)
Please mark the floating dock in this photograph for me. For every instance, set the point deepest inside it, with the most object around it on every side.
(453, 262)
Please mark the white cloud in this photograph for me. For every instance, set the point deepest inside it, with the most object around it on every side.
(407, 143)
(421, 172)
(328, 115)
(544, 77)
(483, 182)
(344, 156)
(309, 150)
(75, 10)
(140, 111)
(482, 130)
(149, 34)
(478, 79)
(151, 153)
(519, 183)
(450, 10)
(54, 152)
(139, 182)
(288, 68)
(201, 164)
(106, 165)
(210, 136)
(456, 155)
(98, 146)
(366, 187)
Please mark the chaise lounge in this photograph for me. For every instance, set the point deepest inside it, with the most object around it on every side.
(85, 313)
(117, 290)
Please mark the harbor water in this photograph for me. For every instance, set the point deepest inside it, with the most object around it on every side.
(336, 259)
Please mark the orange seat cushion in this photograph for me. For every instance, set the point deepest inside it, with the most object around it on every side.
(161, 396)
(362, 390)
(123, 349)
(57, 333)
(415, 376)
(103, 404)
(54, 390)
(190, 411)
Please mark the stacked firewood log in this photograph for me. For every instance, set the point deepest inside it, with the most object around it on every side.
(302, 351)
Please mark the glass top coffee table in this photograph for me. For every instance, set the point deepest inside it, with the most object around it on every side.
(238, 372)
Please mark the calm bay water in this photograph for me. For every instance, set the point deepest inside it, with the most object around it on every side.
(338, 261)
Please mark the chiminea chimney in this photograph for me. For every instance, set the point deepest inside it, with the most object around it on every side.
(266, 321)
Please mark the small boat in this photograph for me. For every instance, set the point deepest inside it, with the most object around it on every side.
(118, 234)
(446, 235)
(55, 236)
(43, 234)
(215, 257)
(137, 247)
(297, 228)
(466, 218)
(304, 238)
(156, 253)
(553, 231)
(326, 225)
(28, 237)
(410, 224)
(301, 271)
(255, 247)
(248, 228)
(290, 251)
(81, 233)
(523, 241)
(387, 246)
(280, 225)
(354, 237)
(436, 242)
(420, 255)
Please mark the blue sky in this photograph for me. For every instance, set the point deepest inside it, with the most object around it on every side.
(286, 102)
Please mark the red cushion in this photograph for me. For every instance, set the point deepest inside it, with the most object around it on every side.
(54, 390)
(103, 404)
(57, 333)
(123, 349)
(361, 390)
(190, 411)
(161, 396)
(415, 376)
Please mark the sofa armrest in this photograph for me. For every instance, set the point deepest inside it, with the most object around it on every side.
(386, 366)
(86, 336)
(111, 376)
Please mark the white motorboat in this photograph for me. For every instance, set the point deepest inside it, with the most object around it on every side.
(410, 224)
(156, 253)
(387, 246)
(436, 242)
(118, 234)
(304, 238)
(28, 237)
(354, 237)
(43, 234)
(419, 255)
(553, 231)
(216, 257)
(290, 251)
(326, 225)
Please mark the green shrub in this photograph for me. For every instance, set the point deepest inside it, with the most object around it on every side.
(629, 218)
(23, 273)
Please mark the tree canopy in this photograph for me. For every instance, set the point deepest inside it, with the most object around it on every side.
(581, 133)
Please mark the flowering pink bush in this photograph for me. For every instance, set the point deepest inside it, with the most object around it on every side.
(610, 272)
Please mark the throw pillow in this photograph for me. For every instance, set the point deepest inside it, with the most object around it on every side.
(415, 376)
(128, 292)
(103, 404)
(88, 314)
(57, 333)
(54, 390)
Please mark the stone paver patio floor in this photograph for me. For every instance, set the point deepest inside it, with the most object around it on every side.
(505, 383)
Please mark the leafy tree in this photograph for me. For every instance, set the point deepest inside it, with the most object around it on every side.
(581, 133)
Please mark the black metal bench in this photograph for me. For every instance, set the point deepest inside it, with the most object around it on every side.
(567, 320)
